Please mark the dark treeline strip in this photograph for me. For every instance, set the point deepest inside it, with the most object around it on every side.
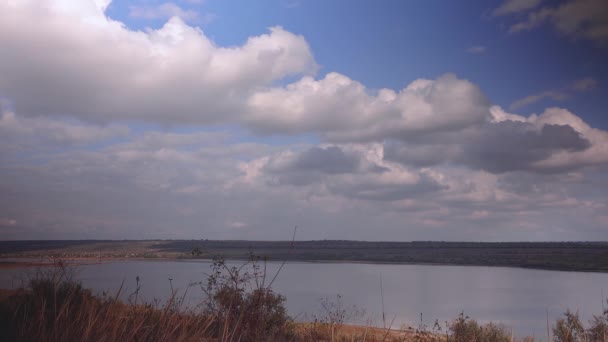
(570, 256)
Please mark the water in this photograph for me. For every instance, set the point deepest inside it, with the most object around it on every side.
(518, 298)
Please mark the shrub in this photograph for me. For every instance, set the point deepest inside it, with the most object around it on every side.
(326, 324)
(423, 334)
(244, 307)
(569, 328)
(464, 329)
(599, 328)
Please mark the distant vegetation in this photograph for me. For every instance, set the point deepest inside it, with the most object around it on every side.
(567, 256)
(240, 305)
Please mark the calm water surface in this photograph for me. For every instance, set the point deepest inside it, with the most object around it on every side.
(518, 298)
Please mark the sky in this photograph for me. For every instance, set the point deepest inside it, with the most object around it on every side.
(354, 120)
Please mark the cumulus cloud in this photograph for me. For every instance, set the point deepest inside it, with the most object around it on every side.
(177, 75)
(527, 146)
(595, 154)
(173, 74)
(555, 141)
(344, 110)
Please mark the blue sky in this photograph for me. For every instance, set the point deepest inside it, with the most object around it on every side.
(392, 120)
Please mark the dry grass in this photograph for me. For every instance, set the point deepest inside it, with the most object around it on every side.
(58, 309)
(54, 307)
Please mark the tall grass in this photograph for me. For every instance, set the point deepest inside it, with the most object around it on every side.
(55, 307)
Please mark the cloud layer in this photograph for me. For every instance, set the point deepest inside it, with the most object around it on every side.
(110, 132)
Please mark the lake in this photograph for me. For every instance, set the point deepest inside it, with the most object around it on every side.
(518, 298)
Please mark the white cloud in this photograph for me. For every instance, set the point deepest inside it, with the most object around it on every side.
(177, 75)
(344, 110)
(173, 74)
